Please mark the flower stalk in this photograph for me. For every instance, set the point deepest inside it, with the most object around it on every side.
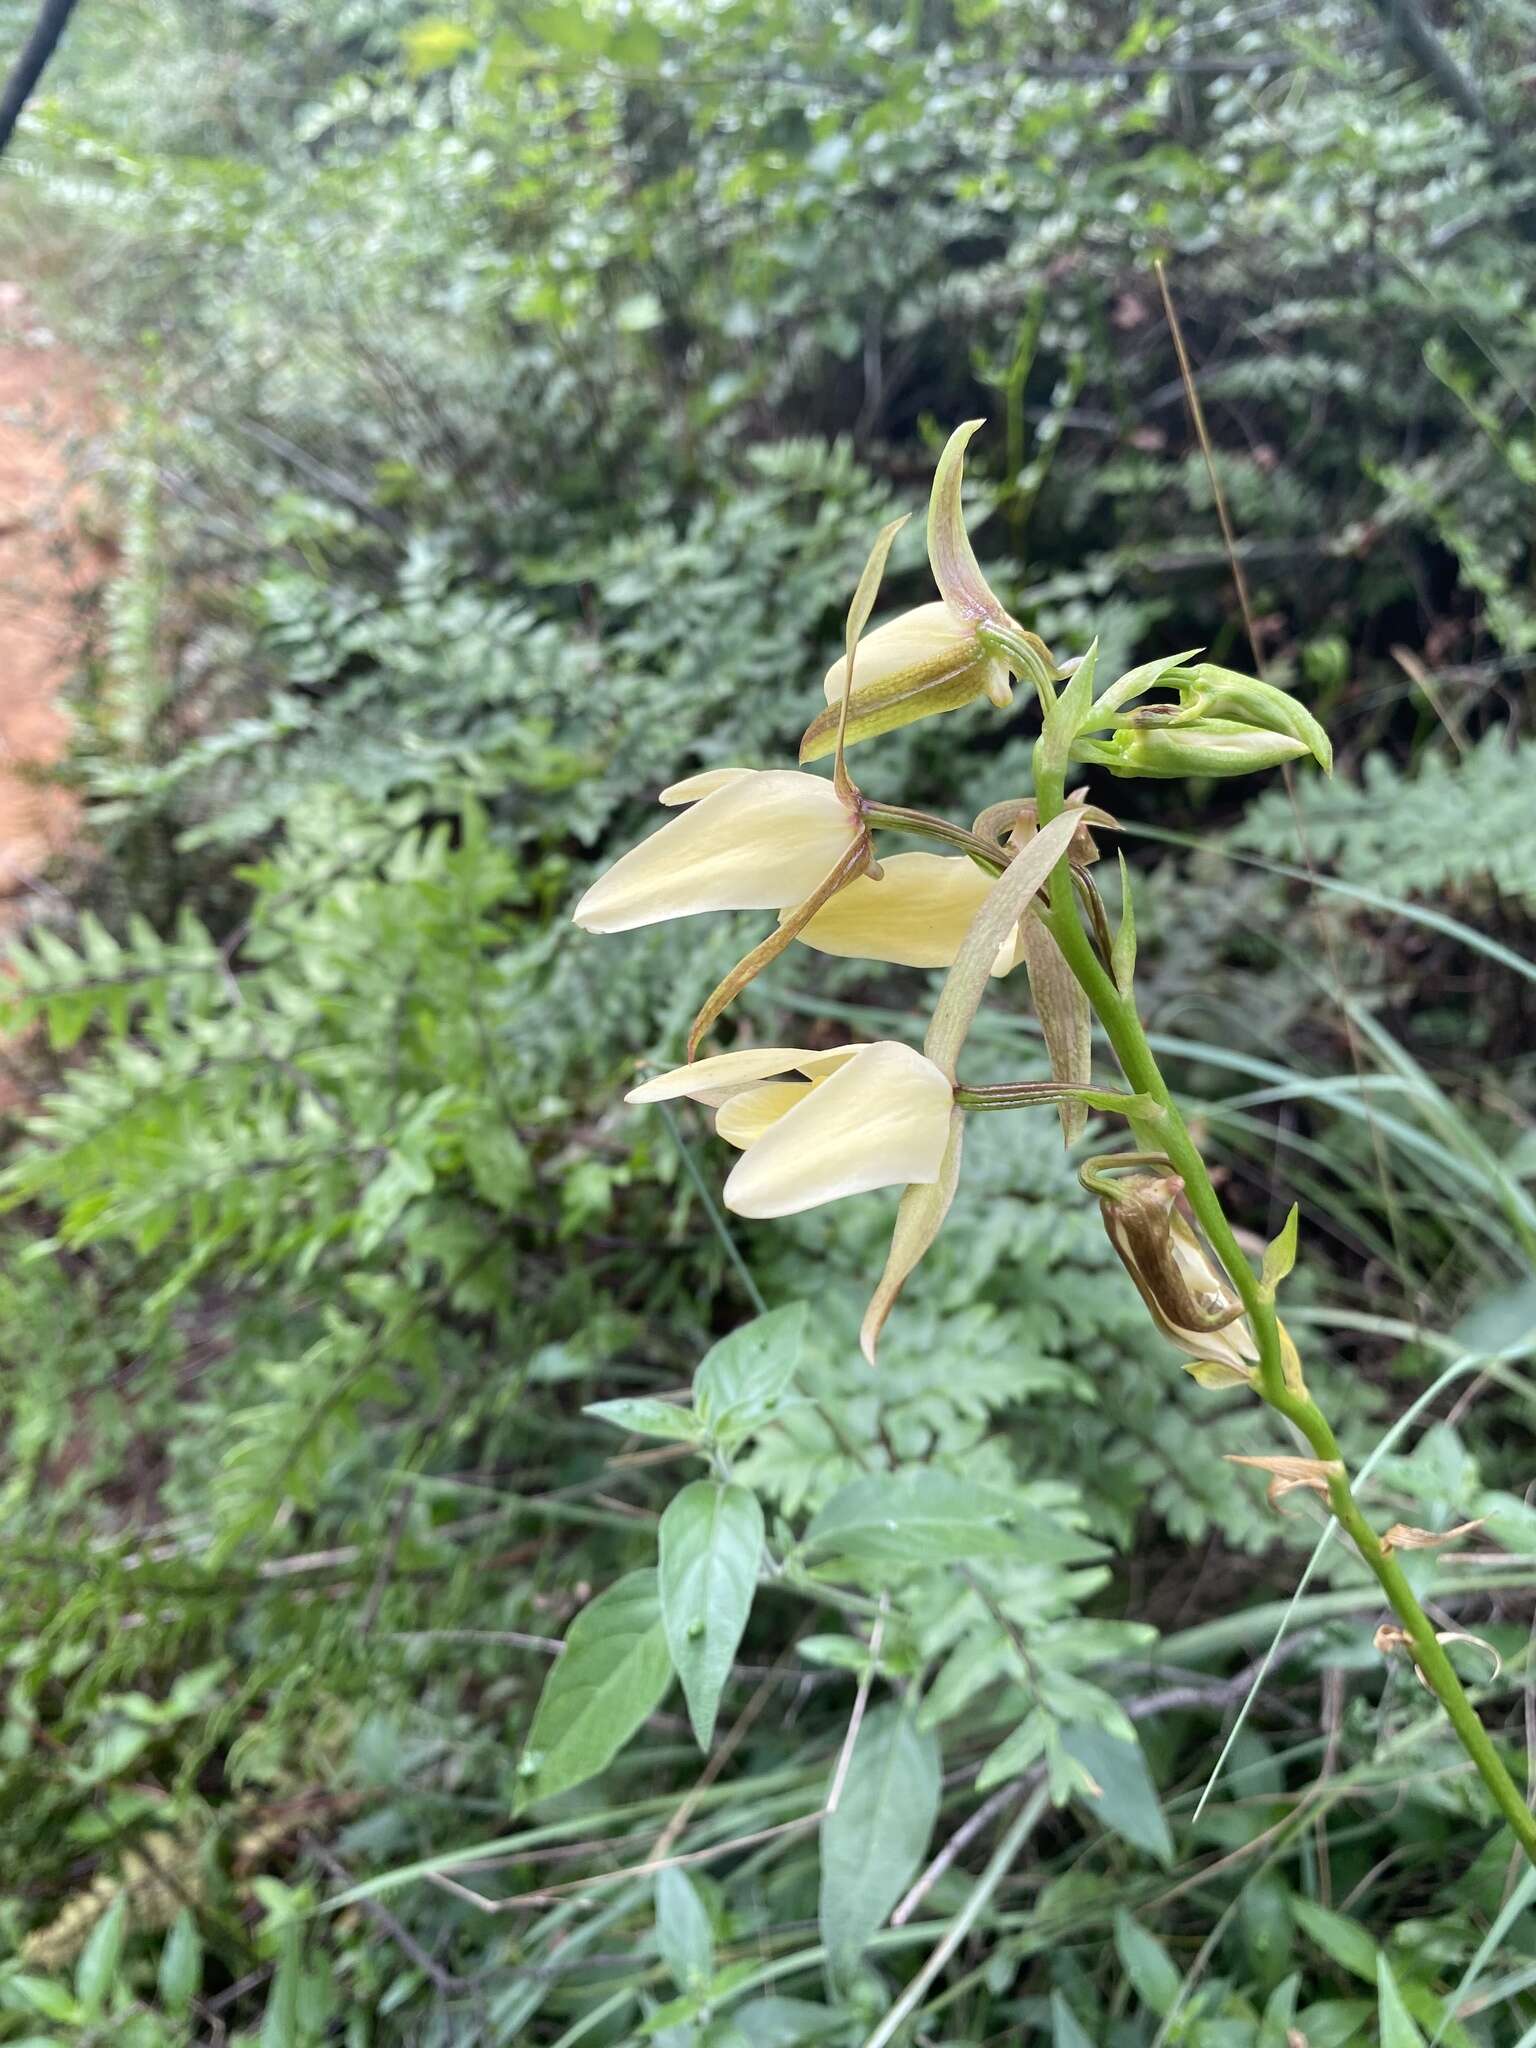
(1121, 1023)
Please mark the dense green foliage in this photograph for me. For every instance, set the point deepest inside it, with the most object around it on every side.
(505, 402)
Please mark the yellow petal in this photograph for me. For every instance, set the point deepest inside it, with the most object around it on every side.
(727, 1074)
(705, 783)
(746, 1116)
(915, 916)
(880, 1120)
(763, 840)
(727, 1071)
(1208, 1373)
(929, 632)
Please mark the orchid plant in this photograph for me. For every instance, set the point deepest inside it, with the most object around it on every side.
(1014, 888)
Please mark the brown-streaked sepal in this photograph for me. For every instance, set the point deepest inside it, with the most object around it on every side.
(919, 1218)
(950, 554)
(1065, 1020)
(945, 680)
(1292, 1475)
(792, 922)
(1009, 901)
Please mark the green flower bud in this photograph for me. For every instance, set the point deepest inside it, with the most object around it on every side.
(1202, 746)
(1223, 693)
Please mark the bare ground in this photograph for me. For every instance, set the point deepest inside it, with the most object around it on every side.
(48, 416)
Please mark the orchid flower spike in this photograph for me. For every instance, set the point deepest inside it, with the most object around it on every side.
(815, 1126)
(750, 839)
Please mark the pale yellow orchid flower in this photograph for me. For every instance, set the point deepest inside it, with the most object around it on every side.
(932, 638)
(935, 657)
(915, 915)
(860, 1117)
(749, 840)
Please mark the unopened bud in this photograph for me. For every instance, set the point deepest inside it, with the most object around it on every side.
(1159, 746)
(1223, 693)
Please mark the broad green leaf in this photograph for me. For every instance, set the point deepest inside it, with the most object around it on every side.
(872, 1845)
(46, 1995)
(612, 1674)
(434, 45)
(671, 2025)
(683, 1933)
(1153, 1974)
(635, 46)
(711, 1545)
(1127, 1800)
(1065, 2030)
(645, 1416)
(1334, 2022)
(740, 1383)
(1397, 2029)
(280, 2022)
(842, 1653)
(905, 1519)
(1344, 1940)
(180, 1975)
(786, 2022)
(568, 26)
(96, 1971)
(1279, 2012)
(1268, 1930)
(1016, 1753)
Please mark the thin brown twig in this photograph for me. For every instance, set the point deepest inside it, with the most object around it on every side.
(1320, 916)
(444, 1980)
(722, 1753)
(652, 1864)
(958, 1843)
(1203, 436)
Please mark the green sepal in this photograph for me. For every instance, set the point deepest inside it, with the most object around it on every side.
(1279, 1255)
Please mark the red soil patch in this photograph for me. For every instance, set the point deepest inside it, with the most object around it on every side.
(47, 566)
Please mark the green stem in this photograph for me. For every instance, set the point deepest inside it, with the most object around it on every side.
(897, 818)
(1118, 1015)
